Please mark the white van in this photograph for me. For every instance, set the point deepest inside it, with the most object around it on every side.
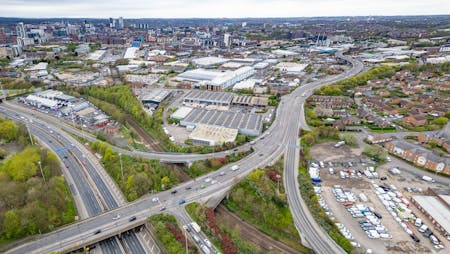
(418, 222)
(423, 228)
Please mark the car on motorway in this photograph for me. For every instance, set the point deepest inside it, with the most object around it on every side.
(207, 180)
(188, 188)
(132, 218)
(202, 186)
(155, 199)
(162, 208)
(116, 217)
(207, 242)
(98, 231)
(235, 150)
(196, 239)
(222, 173)
(181, 201)
(205, 249)
(174, 192)
(186, 227)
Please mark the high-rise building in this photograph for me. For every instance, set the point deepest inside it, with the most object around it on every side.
(112, 23)
(121, 26)
(227, 39)
(21, 39)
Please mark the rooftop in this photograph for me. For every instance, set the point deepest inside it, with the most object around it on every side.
(436, 209)
(209, 61)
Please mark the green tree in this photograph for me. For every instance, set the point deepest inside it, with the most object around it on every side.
(24, 165)
(440, 121)
(8, 131)
(350, 139)
(376, 152)
(11, 224)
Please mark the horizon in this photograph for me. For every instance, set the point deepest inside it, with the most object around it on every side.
(231, 18)
(214, 9)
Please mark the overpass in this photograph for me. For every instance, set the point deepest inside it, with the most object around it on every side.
(281, 137)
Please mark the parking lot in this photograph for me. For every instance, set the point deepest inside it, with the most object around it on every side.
(373, 213)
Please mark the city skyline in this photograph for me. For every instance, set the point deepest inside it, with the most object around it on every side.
(217, 9)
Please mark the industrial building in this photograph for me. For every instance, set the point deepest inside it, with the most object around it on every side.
(212, 135)
(436, 207)
(250, 101)
(245, 123)
(199, 75)
(245, 84)
(216, 80)
(229, 79)
(154, 97)
(41, 102)
(200, 98)
(209, 61)
(181, 113)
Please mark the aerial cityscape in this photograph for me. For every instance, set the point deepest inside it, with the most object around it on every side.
(206, 127)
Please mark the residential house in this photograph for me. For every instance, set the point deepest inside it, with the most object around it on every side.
(415, 120)
(418, 156)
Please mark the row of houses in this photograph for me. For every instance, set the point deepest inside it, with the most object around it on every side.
(418, 156)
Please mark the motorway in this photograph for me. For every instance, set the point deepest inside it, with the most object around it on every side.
(90, 192)
(281, 138)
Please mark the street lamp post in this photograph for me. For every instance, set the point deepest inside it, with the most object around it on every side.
(185, 237)
(42, 172)
(121, 165)
(29, 133)
(278, 183)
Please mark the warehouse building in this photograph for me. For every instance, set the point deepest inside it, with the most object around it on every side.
(181, 113)
(250, 101)
(245, 123)
(40, 102)
(199, 75)
(212, 135)
(436, 207)
(225, 81)
(216, 80)
(154, 97)
(199, 98)
(209, 61)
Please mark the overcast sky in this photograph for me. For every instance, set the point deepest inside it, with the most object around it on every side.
(218, 8)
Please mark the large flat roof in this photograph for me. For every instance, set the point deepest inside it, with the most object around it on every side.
(209, 60)
(208, 96)
(436, 209)
(215, 134)
(246, 123)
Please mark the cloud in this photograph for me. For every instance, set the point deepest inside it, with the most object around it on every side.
(217, 8)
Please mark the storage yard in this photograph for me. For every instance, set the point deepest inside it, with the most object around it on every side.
(372, 204)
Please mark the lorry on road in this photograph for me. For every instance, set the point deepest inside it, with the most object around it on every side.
(428, 179)
(196, 227)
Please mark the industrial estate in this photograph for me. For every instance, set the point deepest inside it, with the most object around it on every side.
(282, 135)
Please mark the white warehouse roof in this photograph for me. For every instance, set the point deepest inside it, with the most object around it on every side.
(439, 212)
(181, 113)
(41, 101)
(209, 61)
(213, 135)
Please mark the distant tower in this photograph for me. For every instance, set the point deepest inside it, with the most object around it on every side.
(112, 23)
(20, 34)
(121, 26)
(227, 40)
